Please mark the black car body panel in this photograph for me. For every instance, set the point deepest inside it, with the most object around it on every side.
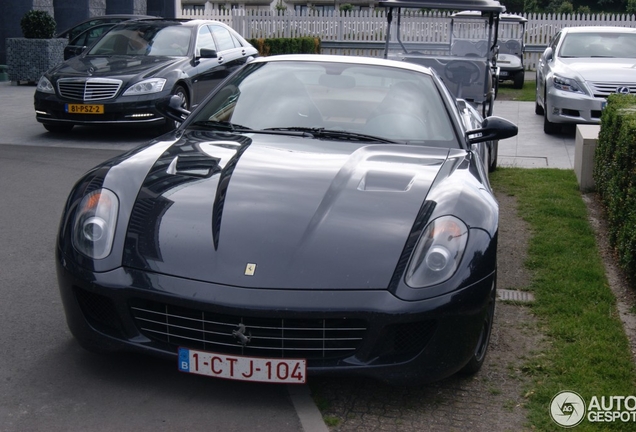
(329, 226)
(182, 67)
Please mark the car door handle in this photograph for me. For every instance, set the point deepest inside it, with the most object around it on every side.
(220, 59)
(243, 52)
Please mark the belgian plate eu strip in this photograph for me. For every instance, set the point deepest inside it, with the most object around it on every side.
(256, 369)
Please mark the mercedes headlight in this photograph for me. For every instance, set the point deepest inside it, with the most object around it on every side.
(152, 85)
(438, 252)
(567, 84)
(45, 86)
(94, 226)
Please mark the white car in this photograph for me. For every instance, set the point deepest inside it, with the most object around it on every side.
(579, 70)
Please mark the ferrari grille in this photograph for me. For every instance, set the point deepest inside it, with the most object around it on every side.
(330, 338)
(89, 89)
(602, 89)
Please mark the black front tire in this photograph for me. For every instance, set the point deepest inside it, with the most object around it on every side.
(477, 360)
(169, 124)
(62, 128)
(549, 127)
(538, 109)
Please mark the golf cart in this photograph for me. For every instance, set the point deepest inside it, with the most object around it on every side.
(462, 50)
(512, 29)
(511, 45)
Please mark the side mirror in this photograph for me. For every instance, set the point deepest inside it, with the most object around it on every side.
(492, 129)
(208, 53)
(548, 54)
(173, 110)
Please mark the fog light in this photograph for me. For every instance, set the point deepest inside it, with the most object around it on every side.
(141, 115)
(555, 110)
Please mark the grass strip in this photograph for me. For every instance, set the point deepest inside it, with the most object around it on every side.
(525, 94)
(587, 350)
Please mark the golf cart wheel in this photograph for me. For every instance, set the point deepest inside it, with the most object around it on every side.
(518, 80)
(494, 153)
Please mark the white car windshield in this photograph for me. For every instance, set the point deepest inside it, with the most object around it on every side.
(387, 103)
(598, 44)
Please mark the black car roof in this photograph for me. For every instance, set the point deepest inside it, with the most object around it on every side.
(479, 5)
(183, 21)
(103, 17)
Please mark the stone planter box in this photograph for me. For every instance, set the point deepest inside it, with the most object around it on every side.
(28, 59)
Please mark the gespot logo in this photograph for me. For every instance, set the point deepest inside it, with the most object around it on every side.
(567, 409)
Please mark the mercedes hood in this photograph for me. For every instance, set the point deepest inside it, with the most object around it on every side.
(120, 66)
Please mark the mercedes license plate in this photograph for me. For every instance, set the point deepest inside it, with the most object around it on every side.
(84, 109)
(258, 369)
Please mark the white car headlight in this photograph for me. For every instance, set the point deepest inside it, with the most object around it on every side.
(567, 84)
(438, 252)
(152, 85)
(45, 86)
(95, 221)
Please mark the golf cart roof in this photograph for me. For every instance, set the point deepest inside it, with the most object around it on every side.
(475, 5)
(504, 17)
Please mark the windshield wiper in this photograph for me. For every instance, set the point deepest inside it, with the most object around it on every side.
(223, 125)
(335, 134)
(233, 127)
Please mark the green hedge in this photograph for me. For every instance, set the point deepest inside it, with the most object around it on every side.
(615, 176)
(275, 46)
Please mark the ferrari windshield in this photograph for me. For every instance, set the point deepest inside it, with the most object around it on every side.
(599, 44)
(145, 39)
(361, 102)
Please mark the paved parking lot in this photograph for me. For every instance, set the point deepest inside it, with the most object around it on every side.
(532, 148)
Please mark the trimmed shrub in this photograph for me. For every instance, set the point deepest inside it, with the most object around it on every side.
(37, 24)
(615, 176)
(276, 46)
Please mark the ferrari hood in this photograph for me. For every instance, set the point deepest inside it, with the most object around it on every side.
(277, 211)
(112, 66)
(602, 69)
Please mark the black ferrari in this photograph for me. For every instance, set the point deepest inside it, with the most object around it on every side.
(133, 66)
(314, 215)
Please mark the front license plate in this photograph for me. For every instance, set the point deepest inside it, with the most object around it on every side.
(503, 73)
(257, 369)
(84, 109)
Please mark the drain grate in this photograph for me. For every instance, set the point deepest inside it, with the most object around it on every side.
(515, 296)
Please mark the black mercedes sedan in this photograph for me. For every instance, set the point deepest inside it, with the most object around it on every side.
(134, 66)
(315, 215)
